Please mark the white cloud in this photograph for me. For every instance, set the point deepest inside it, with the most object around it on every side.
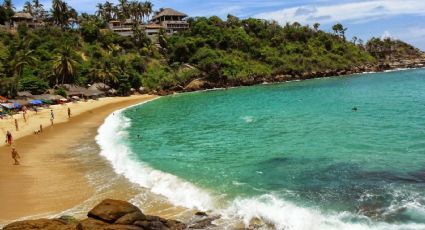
(352, 12)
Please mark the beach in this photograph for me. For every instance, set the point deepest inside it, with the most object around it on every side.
(49, 180)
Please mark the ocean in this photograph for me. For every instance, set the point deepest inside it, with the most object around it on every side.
(335, 153)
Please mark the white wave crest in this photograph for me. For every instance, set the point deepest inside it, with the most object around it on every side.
(276, 213)
(279, 214)
(110, 139)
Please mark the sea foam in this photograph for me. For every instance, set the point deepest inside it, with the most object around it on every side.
(275, 212)
(111, 136)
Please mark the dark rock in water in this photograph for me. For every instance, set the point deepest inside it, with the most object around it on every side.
(201, 214)
(111, 210)
(45, 224)
(108, 215)
(202, 221)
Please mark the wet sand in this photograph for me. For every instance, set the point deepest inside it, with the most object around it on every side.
(50, 180)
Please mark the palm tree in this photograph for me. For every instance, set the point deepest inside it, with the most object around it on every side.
(22, 58)
(64, 65)
(123, 6)
(100, 11)
(107, 72)
(108, 8)
(28, 8)
(148, 9)
(61, 13)
(7, 4)
(38, 9)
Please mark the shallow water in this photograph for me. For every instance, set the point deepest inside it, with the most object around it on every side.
(294, 155)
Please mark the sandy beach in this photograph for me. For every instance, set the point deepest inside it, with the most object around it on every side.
(48, 181)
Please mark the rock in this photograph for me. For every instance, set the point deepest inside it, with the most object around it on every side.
(255, 223)
(196, 84)
(90, 223)
(108, 215)
(130, 218)
(201, 214)
(93, 224)
(111, 210)
(45, 224)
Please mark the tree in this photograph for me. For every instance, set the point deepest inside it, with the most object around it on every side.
(339, 30)
(316, 26)
(22, 58)
(6, 11)
(28, 8)
(38, 9)
(64, 65)
(61, 13)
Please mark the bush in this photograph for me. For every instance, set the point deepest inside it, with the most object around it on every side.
(33, 84)
(61, 91)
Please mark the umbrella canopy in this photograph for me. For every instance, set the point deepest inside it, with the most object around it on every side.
(36, 102)
(47, 101)
(17, 105)
(8, 105)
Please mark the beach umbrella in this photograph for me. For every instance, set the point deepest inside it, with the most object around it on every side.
(8, 105)
(47, 101)
(17, 105)
(36, 102)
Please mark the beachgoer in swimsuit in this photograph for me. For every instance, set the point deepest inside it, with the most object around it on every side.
(9, 138)
(15, 156)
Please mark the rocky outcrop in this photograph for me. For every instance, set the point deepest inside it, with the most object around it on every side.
(379, 66)
(197, 84)
(108, 215)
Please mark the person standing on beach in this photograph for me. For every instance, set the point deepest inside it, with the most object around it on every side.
(41, 128)
(15, 156)
(52, 116)
(9, 138)
(16, 125)
(69, 112)
(24, 114)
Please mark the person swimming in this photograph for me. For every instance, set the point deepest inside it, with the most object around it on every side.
(354, 109)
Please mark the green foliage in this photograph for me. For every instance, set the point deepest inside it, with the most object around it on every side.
(61, 91)
(33, 84)
(230, 50)
(90, 31)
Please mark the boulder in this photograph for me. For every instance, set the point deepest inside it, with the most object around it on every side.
(196, 84)
(45, 224)
(111, 210)
(108, 215)
(93, 224)
(130, 218)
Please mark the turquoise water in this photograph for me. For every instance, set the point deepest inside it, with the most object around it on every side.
(300, 143)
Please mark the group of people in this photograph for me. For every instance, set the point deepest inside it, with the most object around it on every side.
(9, 137)
(15, 154)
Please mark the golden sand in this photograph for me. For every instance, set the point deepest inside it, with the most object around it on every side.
(48, 181)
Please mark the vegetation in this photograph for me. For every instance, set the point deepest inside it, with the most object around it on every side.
(219, 50)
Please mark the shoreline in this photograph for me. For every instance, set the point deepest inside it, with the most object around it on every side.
(201, 84)
(49, 180)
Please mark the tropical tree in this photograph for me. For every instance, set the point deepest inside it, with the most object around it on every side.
(28, 8)
(7, 4)
(64, 65)
(61, 13)
(22, 58)
(316, 26)
(38, 9)
(339, 30)
(100, 11)
(147, 9)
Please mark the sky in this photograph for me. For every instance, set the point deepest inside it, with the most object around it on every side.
(400, 19)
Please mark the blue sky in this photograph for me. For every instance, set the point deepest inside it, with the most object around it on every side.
(402, 19)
